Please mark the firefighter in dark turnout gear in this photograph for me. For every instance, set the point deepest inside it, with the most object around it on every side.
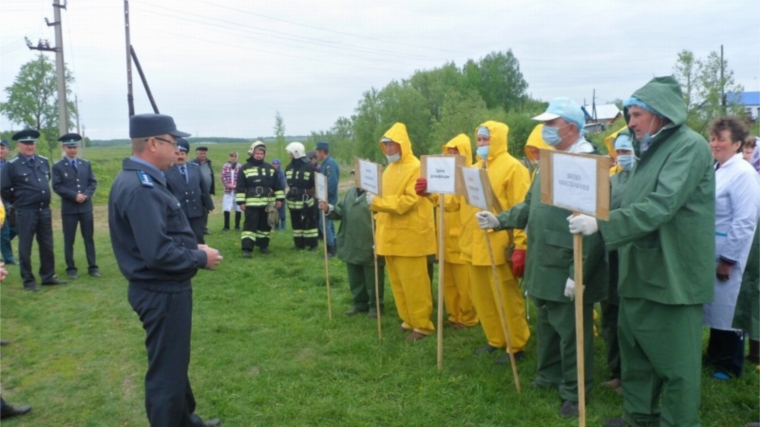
(257, 186)
(300, 199)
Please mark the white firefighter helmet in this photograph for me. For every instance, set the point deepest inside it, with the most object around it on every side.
(254, 145)
(296, 149)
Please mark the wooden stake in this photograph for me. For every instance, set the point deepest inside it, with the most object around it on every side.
(327, 265)
(440, 281)
(377, 286)
(502, 312)
(579, 344)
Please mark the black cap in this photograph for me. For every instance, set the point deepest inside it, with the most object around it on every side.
(26, 136)
(183, 145)
(4, 142)
(146, 125)
(70, 139)
(202, 148)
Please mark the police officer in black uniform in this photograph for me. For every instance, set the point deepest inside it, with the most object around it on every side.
(25, 184)
(300, 198)
(189, 187)
(74, 181)
(157, 252)
(257, 187)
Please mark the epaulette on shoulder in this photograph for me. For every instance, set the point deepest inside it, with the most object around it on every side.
(145, 179)
(13, 160)
(43, 157)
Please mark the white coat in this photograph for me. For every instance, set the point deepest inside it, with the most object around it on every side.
(737, 208)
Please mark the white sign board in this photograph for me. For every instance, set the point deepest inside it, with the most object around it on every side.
(476, 195)
(369, 178)
(321, 187)
(440, 172)
(574, 183)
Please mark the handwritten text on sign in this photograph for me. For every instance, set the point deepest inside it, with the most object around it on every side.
(575, 183)
(441, 174)
(369, 177)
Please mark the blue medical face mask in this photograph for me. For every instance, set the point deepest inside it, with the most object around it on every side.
(626, 161)
(393, 158)
(647, 139)
(551, 135)
(483, 151)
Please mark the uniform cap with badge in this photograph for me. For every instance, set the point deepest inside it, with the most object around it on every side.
(183, 145)
(4, 142)
(147, 125)
(26, 136)
(70, 139)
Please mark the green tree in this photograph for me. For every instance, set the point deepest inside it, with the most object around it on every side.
(501, 82)
(33, 99)
(460, 114)
(279, 131)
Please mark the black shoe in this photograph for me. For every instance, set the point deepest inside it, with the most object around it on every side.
(265, 251)
(71, 275)
(615, 422)
(3, 343)
(569, 409)
(225, 229)
(10, 262)
(54, 281)
(313, 249)
(14, 411)
(212, 423)
(95, 273)
(246, 254)
(32, 287)
(487, 349)
(206, 233)
(505, 358)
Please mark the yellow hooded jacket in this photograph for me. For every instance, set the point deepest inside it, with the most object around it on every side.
(610, 143)
(405, 225)
(510, 182)
(452, 220)
(536, 140)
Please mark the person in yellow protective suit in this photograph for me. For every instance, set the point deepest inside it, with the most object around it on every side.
(510, 181)
(609, 142)
(532, 149)
(456, 274)
(405, 233)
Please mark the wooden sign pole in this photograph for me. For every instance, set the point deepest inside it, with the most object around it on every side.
(377, 285)
(579, 344)
(327, 266)
(441, 235)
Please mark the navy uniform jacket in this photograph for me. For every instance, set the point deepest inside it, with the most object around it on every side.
(151, 237)
(68, 182)
(26, 187)
(193, 195)
(331, 170)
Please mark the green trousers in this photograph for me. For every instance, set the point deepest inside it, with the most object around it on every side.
(661, 351)
(361, 280)
(556, 350)
(610, 336)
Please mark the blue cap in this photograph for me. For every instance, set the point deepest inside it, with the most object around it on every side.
(183, 145)
(484, 131)
(147, 125)
(4, 142)
(70, 139)
(623, 142)
(323, 145)
(567, 109)
(636, 102)
(276, 162)
(26, 136)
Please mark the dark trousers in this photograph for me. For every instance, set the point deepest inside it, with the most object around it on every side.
(610, 336)
(725, 351)
(361, 279)
(256, 229)
(39, 223)
(304, 223)
(7, 233)
(198, 224)
(70, 222)
(167, 320)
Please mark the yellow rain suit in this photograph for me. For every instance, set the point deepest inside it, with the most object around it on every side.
(610, 143)
(456, 274)
(510, 181)
(406, 235)
(535, 140)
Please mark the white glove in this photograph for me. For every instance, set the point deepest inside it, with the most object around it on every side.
(570, 289)
(370, 197)
(487, 220)
(583, 224)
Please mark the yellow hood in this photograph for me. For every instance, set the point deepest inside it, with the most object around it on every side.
(610, 142)
(462, 143)
(536, 140)
(397, 133)
(499, 133)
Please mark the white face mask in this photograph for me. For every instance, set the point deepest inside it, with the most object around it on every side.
(393, 158)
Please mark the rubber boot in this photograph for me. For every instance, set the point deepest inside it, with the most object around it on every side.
(226, 221)
(754, 352)
(237, 220)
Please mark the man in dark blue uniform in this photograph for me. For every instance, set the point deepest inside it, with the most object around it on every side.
(157, 252)
(190, 189)
(74, 181)
(8, 231)
(331, 170)
(25, 184)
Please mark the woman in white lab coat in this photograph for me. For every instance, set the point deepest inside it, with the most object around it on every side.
(737, 207)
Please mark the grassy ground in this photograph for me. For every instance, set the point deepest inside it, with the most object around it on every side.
(265, 353)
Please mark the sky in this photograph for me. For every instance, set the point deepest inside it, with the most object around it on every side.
(225, 67)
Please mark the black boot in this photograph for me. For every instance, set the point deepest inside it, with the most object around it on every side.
(237, 221)
(226, 221)
(331, 250)
(754, 352)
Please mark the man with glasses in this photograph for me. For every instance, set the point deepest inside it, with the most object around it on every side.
(157, 253)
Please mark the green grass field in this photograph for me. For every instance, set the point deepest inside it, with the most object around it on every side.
(266, 354)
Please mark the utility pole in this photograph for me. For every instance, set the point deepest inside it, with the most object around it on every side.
(82, 145)
(63, 113)
(722, 84)
(130, 98)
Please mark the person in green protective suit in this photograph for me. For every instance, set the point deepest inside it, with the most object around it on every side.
(664, 233)
(549, 269)
(747, 313)
(354, 242)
